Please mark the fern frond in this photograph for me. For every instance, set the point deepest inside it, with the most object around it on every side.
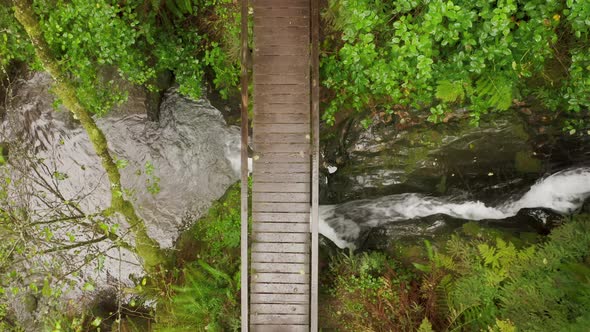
(450, 91)
(495, 91)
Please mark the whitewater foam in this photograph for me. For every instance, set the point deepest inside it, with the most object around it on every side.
(563, 192)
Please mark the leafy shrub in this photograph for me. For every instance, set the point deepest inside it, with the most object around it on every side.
(206, 296)
(14, 45)
(136, 39)
(431, 55)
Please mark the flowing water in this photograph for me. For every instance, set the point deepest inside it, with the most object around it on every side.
(563, 192)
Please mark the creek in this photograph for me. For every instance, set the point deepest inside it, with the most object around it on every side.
(173, 170)
(345, 224)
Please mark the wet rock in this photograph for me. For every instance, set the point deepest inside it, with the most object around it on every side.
(542, 219)
(172, 170)
(433, 159)
(508, 151)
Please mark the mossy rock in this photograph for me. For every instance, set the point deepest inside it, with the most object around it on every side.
(431, 159)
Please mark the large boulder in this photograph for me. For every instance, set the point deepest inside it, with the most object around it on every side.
(171, 169)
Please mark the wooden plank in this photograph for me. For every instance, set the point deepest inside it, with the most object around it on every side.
(292, 278)
(280, 89)
(273, 257)
(279, 67)
(276, 106)
(280, 258)
(273, 36)
(281, 238)
(279, 298)
(293, 128)
(280, 328)
(302, 167)
(282, 138)
(294, 309)
(297, 78)
(281, 217)
(279, 288)
(296, 99)
(260, 12)
(290, 157)
(281, 227)
(280, 187)
(279, 268)
(283, 178)
(281, 118)
(298, 21)
(276, 60)
(279, 319)
(296, 149)
(280, 207)
(280, 3)
(281, 197)
(302, 50)
(282, 147)
(299, 47)
(281, 247)
(283, 31)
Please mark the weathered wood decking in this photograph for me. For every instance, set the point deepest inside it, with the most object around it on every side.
(280, 292)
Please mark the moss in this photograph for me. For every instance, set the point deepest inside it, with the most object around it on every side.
(216, 236)
(524, 162)
(520, 132)
(441, 187)
(415, 156)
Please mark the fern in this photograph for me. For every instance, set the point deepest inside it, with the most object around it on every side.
(495, 91)
(450, 92)
(425, 326)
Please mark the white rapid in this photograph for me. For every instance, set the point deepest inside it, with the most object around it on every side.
(563, 192)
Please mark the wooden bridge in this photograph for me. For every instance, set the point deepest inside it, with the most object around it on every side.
(280, 262)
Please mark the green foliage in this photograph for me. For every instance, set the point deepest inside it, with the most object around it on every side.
(224, 68)
(14, 45)
(450, 92)
(207, 301)
(78, 36)
(101, 44)
(536, 288)
(420, 54)
(2, 156)
(479, 281)
(207, 295)
(219, 230)
(372, 292)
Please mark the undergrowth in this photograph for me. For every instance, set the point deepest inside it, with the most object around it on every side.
(475, 282)
(205, 296)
